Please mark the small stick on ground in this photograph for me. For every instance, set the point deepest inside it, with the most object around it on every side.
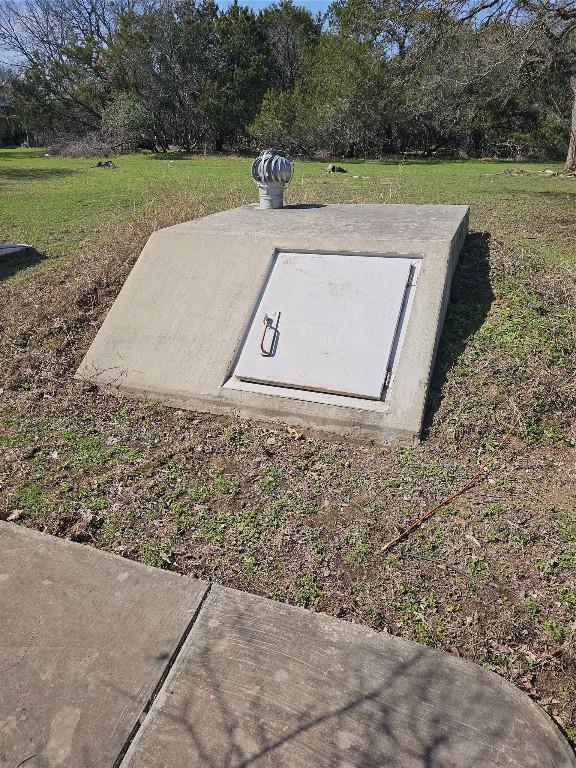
(26, 759)
(482, 472)
(417, 523)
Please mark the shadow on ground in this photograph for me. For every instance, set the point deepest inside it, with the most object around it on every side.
(258, 684)
(18, 153)
(305, 206)
(470, 301)
(551, 196)
(34, 174)
(10, 264)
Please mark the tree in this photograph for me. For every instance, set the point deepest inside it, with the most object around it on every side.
(391, 25)
(165, 58)
(383, 76)
(276, 124)
(128, 123)
(554, 21)
(346, 98)
(292, 35)
(234, 90)
(473, 90)
(336, 108)
(11, 128)
(60, 45)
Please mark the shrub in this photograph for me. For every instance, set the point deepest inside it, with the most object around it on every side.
(275, 124)
(94, 144)
(128, 123)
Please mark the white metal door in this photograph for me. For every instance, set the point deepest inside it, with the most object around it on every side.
(327, 323)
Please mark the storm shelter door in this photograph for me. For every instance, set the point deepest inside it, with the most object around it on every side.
(327, 323)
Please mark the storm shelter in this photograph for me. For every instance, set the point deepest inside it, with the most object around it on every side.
(325, 317)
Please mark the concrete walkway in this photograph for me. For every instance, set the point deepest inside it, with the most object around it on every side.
(106, 663)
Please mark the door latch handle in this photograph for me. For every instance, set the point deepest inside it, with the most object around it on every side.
(269, 326)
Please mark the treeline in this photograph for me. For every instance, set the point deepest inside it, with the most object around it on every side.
(370, 78)
(12, 132)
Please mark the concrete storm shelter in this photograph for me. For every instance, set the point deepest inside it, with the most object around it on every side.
(320, 316)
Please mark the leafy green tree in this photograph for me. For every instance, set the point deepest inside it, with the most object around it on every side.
(235, 88)
(390, 25)
(165, 58)
(337, 108)
(292, 35)
(128, 122)
(346, 98)
(276, 124)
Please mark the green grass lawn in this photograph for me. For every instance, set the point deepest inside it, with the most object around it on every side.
(58, 204)
(492, 577)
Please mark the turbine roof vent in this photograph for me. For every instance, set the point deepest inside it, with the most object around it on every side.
(271, 171)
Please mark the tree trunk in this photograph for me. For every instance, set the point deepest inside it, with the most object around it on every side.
(571, 157)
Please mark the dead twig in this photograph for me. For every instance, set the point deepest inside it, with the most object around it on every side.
(482, 472)
(417, 523)
(25, 760)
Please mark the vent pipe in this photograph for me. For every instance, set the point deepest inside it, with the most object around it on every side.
(271, 171)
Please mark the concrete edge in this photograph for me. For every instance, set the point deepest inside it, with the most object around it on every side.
(325, 427)
(356, 631)
(205, 223)
(407, 421)
(454, 255)
(24, 531)
(11, 250)
(163, 680)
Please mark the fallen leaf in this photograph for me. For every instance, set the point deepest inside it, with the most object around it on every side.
(294, 433)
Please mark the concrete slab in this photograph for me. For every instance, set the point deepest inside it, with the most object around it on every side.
(85, 638)
(13, 249)
(178, 325)
(259, 683)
